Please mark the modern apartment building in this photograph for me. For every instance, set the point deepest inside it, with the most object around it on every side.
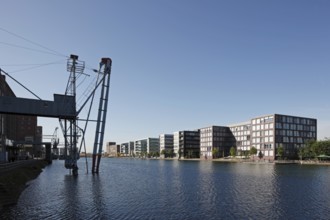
(131, 148)
(215, 141)
(124, 149)
(292, 132)
(176, 144)
(153, 145)
(140, 147)
(265, 133)
(111, 149)
(268, 133)
(189, 144)
(166, 142)
(242, 135)
(148, 145)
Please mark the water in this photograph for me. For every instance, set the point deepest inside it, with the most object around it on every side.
(161, 189)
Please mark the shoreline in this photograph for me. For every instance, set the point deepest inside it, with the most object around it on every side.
(238, 160)
(15, 177)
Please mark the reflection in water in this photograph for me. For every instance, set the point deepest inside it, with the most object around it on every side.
(301, 191)
(166, 189)
(207, 193)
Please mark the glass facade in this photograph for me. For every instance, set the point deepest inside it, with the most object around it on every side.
(153, 145)
(148, 145)
(166, 142)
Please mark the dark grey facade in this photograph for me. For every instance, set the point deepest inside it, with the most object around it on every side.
(189, 144)
(216, 141)
(292, 133)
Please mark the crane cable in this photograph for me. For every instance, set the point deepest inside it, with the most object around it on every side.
(34, 43)
(20, 84)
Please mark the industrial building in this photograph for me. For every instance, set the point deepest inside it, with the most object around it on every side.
(17, 132)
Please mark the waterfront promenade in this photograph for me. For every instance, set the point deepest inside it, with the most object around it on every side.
(14, 176)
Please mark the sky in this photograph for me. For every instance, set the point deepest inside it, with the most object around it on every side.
(177, 64)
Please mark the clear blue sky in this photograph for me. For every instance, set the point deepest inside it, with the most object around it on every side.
(178, 65)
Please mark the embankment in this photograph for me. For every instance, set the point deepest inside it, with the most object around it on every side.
(14, 178)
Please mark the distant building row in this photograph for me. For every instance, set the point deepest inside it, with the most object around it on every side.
(265, 133)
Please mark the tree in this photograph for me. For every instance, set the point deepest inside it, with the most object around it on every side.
(253, 151)
(168, 153)
(280, 151)
(215, 152)
(232, 151)
(260, 155)
(301, 153)
(163, 152)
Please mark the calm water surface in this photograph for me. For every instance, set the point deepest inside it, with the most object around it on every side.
(161, 189)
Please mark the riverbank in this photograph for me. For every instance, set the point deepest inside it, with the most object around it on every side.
(14, 178)
(248, 161)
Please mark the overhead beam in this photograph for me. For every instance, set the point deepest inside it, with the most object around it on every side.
(63, 106)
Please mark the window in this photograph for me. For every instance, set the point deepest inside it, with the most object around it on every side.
(278, 125)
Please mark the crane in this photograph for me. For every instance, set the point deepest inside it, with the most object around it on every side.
(70, 127)
(64, 107)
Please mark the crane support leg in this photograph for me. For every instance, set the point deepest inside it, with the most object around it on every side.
(102, 113)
